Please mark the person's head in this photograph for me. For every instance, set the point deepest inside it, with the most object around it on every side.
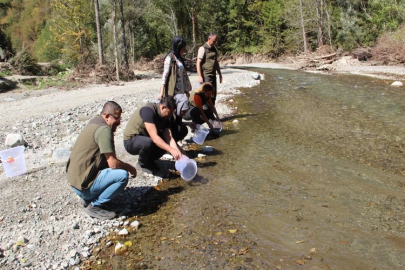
(212, 39)
(111, 113)
(167, 106)
(182, 104)
(206, 89)
(178, 46)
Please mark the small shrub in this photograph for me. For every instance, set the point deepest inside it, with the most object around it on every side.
(5, 73)
(390, 47)
(25, 64)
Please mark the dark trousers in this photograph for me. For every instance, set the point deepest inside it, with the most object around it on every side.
(143, 146)
(213, 81)
(179, 132)
(195, 115)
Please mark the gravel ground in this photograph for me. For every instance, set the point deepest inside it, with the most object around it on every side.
(43, 225)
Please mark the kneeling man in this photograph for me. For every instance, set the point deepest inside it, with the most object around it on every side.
(93, 170)
(148, 134)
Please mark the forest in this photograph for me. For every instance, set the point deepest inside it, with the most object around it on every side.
(107, 31)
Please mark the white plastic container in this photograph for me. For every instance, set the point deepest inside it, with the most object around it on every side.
(200, 135)
(13, 161)
(217, 126)
(187, 167)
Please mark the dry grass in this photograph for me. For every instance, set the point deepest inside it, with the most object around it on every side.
(390, 47)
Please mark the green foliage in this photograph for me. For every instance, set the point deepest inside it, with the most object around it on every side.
(45, 49)
(272, 32)
(5, 73)
(26, 64)
(65, 30)
(73, 28)
(57, 80)
(350, 34)
(24, 21)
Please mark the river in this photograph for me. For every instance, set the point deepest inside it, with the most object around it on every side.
(311, 176)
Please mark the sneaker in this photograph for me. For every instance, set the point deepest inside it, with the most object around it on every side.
(84, 202)
(143, 169)
(98, 212)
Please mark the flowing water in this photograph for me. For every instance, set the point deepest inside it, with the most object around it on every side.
(310, 177)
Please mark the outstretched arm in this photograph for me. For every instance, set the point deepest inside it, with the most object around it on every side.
(152, 131)
(115, 163)
(218, 69)
(199, 70)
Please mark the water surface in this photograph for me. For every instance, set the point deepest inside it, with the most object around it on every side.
(312, 174)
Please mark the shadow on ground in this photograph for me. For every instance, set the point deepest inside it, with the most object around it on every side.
(7, 85)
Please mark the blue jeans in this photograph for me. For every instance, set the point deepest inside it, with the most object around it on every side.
(108, 184)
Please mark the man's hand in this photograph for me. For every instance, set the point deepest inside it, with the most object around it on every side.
(192, 125)
(211, 127)
(132, 171)
(200, 79)
(115, 163)
(175, 152)
(220, 78)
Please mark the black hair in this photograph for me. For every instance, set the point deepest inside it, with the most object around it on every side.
(168, 101)
(111, 107)
(176, 45)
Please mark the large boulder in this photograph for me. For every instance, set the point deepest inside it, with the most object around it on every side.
(362, 54)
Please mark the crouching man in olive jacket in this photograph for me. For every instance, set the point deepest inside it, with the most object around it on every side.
(93, 170)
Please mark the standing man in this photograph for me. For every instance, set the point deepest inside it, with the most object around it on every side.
(148, 134)
(207, 63)
(8, 54)
(93, 170)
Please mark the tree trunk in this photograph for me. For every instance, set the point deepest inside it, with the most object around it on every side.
(319, 15)
(117, 65)
(303, 29)
(329, 25)
(124, 39)
(131, 44)
(194, 21)
(99, 36)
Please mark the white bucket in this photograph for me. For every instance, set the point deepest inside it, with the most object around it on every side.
(217, 126)
(187, 167)
(200, 134)
(13, 161)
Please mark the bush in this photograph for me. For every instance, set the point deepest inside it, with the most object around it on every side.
(390, 47)
(55, 67)
(25, 64)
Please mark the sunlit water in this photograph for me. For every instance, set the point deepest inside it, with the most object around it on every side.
(311, 177)
(315, 163)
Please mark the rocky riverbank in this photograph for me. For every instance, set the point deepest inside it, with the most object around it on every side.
(42, 222)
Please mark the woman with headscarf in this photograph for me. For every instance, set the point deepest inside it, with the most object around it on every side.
(204, 109)
(177, 126)
(175, 79)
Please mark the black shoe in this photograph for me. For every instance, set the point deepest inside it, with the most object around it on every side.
(143, 168)
(98, 212)
(84, 202)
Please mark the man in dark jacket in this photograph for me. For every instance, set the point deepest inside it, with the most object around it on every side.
(93, 170)
(148, 134)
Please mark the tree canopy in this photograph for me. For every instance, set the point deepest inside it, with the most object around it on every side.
(67, 29)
